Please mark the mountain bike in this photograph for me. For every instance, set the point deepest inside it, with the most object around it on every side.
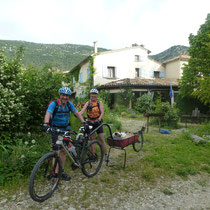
(88, 156)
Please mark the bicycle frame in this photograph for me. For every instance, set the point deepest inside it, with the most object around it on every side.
(86, 137)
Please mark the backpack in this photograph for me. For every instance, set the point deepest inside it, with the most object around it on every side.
(56, 109)
(89, 107)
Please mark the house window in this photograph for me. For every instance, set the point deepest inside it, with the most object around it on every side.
(137, 58)
(137, 72)
(156, 74)
(111, 72)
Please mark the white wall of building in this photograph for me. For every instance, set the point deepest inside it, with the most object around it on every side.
(125, 63)
(174, 69)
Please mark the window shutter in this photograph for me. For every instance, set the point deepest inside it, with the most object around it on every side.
(152, 74)
(115, 73)
(80, 77)
(162, 74)
(143, 73)
(105, 72)
(88, 73)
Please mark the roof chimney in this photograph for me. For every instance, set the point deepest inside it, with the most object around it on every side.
(95, 46)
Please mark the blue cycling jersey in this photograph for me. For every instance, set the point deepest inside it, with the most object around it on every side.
(61, 118)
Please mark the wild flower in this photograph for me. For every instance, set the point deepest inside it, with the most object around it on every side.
(22, 156)
(26, 143)
(33, 141)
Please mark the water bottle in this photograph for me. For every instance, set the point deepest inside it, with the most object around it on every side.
(72, 150)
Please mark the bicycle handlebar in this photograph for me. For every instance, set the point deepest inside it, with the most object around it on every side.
(59, 131)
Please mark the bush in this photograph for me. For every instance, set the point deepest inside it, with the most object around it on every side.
(171, 114)
(19, 159)
(144, 104)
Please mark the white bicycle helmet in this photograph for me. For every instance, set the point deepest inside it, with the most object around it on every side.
(94, 90)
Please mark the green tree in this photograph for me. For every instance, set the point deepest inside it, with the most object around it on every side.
(196, 75)
(40, 87)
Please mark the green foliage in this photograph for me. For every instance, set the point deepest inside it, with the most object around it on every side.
(144, 104)
(38, 93)
(187, 104)
(61, 56)
(13, 113)
(20, 157)
(126, 96)
(25, 93)
(196, 75)
(171, 114)
(92, 72)
(106, 97)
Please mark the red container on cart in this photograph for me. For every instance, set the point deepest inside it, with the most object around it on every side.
(120, 142)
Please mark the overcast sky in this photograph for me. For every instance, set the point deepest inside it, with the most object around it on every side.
(158, 24)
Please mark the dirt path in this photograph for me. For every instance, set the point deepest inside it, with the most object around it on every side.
(84, 193)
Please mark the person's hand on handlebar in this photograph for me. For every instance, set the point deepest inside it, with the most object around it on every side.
(45, 127)
(97, 122)
(85, 125)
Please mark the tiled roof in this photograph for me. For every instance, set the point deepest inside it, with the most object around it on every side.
(138, 82)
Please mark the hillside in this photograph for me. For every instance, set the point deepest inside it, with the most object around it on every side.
(171, 52)
(66, 56)
(61, 56)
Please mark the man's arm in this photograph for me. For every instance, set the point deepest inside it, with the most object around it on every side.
(79, 116)
(47, 117)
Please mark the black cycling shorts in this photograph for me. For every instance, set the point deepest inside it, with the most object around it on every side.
(100, 130)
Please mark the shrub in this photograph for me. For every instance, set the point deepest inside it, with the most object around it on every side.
(144, 104)
(19, 159)
(171, 114)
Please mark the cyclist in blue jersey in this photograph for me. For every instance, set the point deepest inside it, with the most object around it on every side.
(57, 115)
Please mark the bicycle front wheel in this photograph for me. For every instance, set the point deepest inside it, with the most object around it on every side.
(92, 158)
(137, 146)
(45, 177)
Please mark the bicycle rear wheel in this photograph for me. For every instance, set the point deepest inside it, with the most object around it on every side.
(92, 158)
(137, 146)
(43, 180)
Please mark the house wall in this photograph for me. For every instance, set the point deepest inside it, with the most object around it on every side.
(78, 87)
(172, 70)
(125, 64)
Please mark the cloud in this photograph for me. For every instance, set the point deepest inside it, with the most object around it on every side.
(158, 24)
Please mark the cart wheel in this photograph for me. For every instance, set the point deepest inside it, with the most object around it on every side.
(137, 146)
